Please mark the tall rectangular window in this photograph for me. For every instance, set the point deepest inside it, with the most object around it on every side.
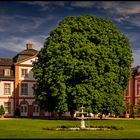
(34, 88)
(7, 107)
(138, 89)
(7, 88)
(35, 108)
(24, 73)
(7, 72)
(24, 89)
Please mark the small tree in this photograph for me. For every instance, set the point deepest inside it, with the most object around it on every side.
(2, 111)
(137, 106)
(127, 105)
(134, 111)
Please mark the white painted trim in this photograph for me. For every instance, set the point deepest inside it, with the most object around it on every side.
(135, 87)
(129, 89)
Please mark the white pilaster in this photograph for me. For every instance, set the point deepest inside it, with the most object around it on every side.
(135, 87)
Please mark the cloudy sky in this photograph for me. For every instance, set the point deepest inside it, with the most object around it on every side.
(22, 22)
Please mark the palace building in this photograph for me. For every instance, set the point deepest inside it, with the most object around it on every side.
(132, 93)
(17, 85)
(17, 82)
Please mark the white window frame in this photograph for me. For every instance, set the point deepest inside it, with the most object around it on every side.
(7, 88)
(7, 107)
(24, 72)
(36, 108)
(7, 72)
(24, 89)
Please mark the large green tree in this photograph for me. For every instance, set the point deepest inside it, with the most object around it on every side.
(85, 61)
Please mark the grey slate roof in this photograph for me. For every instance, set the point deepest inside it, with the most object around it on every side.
(24, 55)
(6, 63)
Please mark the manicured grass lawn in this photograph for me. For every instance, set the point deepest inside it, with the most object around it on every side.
(33, 128)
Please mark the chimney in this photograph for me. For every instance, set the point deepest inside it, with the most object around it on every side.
(29, 46)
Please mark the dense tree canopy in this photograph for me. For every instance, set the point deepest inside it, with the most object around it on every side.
(85, 61)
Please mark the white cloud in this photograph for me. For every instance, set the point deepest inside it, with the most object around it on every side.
(121, 19)
(45, 5)
(17, 44)
(22, 24)
(121, 7)
(134, 40)
(117, 7)
(88, 4)
(136, 56)
(135, 20)
(19, 23)
(121, 10)
(133, 36)
(29, 23)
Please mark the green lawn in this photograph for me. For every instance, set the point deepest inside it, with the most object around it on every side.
(33, 128)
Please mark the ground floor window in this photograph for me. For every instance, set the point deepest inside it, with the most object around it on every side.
(36, 108)
(7, 107)
(24, 109)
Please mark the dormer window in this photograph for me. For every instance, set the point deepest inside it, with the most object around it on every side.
(6, 72)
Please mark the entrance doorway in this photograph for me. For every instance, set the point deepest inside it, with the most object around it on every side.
(24, 109)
